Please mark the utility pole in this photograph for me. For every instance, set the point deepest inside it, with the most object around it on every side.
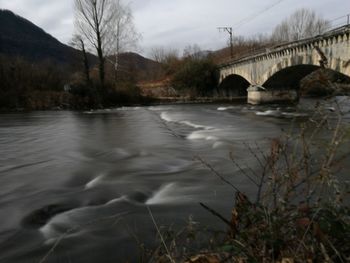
(230, 31)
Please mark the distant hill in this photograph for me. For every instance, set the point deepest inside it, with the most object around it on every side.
(20, 37)
(145, 69)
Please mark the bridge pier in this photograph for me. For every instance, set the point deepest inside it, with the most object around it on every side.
(260, 95)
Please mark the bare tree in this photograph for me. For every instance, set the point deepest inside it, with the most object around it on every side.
(78, 42)
(301, 24)
(193, 51)
(123, 34)
(93, 19)
(164, 55)
(158, 54)
(281, 32)
(168, 57)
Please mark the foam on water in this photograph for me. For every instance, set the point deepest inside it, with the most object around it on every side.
(48, 231)
(128, 108)
(163, 195)
(51, 229)
(225, 108)
(94, 182)
(70, 224)
(268, 113)
(114, 110)
(166, 117)
(122, 153)
(203, 135)
(60, 224)
(116, 200)
(196, 126)
(158, 108)
(218, 144)
(222, 108)
(279, 113)
(294, 114)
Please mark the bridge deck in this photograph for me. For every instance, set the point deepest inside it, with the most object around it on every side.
(285, 46)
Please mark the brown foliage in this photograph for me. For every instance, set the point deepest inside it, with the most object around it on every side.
(30, 86)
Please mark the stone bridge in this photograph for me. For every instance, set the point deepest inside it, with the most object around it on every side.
(283, 66)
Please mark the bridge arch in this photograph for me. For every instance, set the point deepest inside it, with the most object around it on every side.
(289, 77)
(310, 58)
(304, 76)
(233, 85)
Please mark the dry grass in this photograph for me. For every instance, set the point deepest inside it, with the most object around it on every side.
(300, 212)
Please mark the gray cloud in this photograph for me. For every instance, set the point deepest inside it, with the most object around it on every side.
(178, 23)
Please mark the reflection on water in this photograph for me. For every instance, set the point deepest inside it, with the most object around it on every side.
(86, 178)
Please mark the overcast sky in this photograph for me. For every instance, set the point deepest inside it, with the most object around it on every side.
(177, 23)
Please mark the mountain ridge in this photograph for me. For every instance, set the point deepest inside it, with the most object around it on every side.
(19, 37)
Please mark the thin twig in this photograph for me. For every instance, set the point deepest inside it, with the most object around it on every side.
(307, 230)
(75, 228)
(261, 184)
(242, 170)
(160, 234)
(211, 168)
(216, 214)
(260, 151)
(254, 154)
(251, 170)
(335, 250)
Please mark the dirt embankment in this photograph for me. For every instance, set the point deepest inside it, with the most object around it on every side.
(325, 82)
(158, 89)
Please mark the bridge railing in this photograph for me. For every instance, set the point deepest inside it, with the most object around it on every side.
(336, 26)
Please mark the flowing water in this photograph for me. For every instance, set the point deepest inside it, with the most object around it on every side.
(78, 184)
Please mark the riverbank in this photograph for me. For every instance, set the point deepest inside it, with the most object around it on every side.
(300, 210)
(144, 101)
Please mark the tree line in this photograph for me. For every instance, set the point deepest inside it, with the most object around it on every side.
(106, 29)
(301, 24)
(194, 72)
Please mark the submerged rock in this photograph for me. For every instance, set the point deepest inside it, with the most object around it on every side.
(40, 217)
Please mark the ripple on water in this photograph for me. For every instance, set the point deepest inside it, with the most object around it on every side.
(94, 182)
(225, 108)
(171, 193)
(168, 118)
(280, 114)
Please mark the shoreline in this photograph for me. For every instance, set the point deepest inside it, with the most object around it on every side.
(150, 102)
(156, 102)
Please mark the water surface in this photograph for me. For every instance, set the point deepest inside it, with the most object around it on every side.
(83, 180)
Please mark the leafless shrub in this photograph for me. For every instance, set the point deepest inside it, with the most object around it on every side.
(300, 212)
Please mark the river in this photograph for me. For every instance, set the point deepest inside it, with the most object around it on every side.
(79, 183)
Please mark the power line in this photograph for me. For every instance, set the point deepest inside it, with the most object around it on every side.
(339, 17)
(253, 16)
(244, 21)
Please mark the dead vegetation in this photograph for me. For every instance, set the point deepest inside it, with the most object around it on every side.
(300, 212)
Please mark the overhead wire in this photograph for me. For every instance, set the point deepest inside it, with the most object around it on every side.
(253, 16)
(338, 18)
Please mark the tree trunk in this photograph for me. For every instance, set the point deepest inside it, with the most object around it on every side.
(101, 59)
(86, 64)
